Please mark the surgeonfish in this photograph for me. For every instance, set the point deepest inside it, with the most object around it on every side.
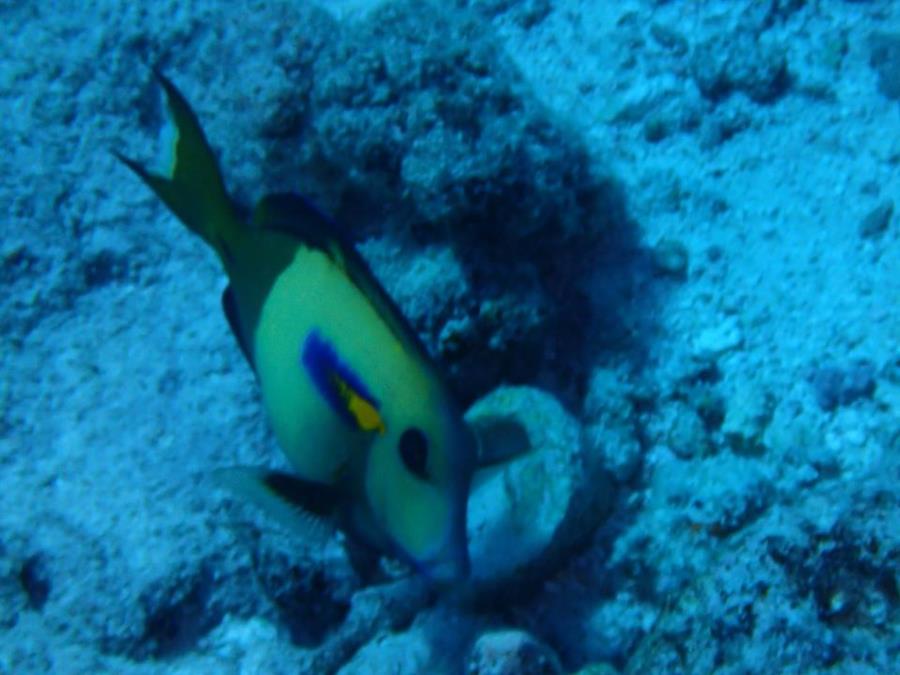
(376, 442)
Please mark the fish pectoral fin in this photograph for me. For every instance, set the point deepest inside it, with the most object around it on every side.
(306, 507)
(499, 440)
(229, 306)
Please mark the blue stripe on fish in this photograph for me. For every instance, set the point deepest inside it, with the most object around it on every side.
(333, 377)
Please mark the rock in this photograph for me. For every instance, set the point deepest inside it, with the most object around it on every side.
(598, 669)
(747, 415)
(246, 645)
(438, 640)
(888, 397)
(760, 16)
(877, 220)
(729, 119)
(884, 58)
(810, 578)
(712, 342)
(13, 597)
(721, 494)
(678, 427)
(107, 257)
(793, 432)
(404, 653)
(613, 626)
(856, 441)
(740, 62)
(834, 386)
(35, 579)
(375, 611)
(669, 38)
(656, 128)
(438, 116)
(311, 597)
(526, 13)
(610, 434)
(687, 435)
(670, 258)
(618, 450)
(709, 404)
(512, 652)
(609, 398)
(525, 514)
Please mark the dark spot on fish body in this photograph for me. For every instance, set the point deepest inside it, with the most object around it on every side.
(414, 451)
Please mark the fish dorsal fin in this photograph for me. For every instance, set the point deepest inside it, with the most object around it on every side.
(307, 508)
(296, 216)
(229, 306)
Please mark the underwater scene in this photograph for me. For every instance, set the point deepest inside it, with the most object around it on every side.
(492, 337)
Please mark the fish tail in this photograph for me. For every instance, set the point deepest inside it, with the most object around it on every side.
(192, 185)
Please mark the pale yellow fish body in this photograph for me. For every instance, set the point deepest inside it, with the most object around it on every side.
(362, 414)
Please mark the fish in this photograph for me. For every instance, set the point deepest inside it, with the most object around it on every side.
(376, 443)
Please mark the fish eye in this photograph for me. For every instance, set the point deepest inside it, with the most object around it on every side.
(414, 451)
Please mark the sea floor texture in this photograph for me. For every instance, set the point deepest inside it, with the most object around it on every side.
(660, 238)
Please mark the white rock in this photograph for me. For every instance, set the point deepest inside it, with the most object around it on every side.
(716, 340)
(525, 513)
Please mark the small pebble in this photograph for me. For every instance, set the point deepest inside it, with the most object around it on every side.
(834, 386)
(884, 58)
(617, 449)
(748, 413)
(686, 435)
(670, 258)
(656, 128)
(512, 652)
(715, 341)
(739, 61)
(598, 669)
(670, 38)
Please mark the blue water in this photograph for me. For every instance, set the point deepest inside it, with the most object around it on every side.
(653, 247)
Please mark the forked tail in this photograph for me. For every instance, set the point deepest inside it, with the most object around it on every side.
(192, 186)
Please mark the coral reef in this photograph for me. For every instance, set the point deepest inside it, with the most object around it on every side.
(420, 127)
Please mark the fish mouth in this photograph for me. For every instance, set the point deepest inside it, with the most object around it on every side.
(450, 564)
(448, 569)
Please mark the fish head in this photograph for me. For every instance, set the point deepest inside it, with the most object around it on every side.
(417, 480)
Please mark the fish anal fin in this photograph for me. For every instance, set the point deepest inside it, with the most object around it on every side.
(307, 508)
